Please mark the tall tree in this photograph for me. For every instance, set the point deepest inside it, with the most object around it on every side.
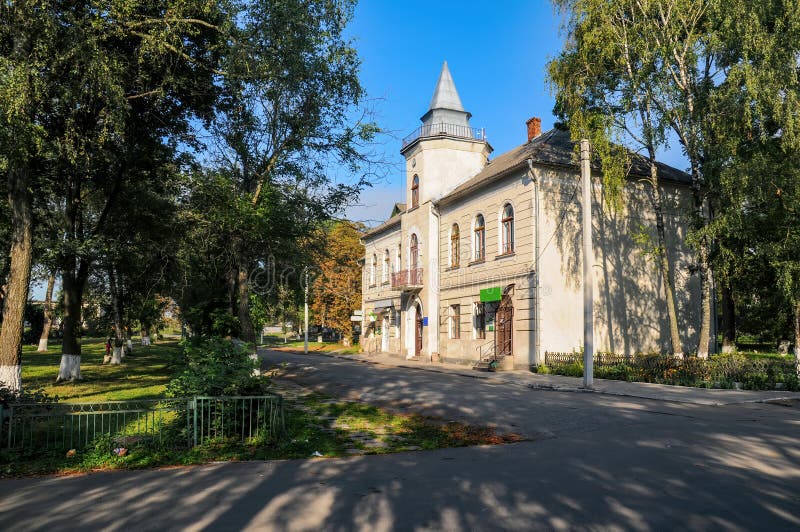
(755, 120)
(27, 40)
(291, 89)
(337, 284)
(604, 88)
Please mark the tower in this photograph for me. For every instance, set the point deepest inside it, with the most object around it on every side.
(442, 153)
(445, 150)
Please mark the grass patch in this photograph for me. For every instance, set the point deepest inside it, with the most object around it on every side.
(277, 342)
(143, 375)
(352, 426)
(316, 425)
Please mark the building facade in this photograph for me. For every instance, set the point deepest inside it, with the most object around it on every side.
(484, 258)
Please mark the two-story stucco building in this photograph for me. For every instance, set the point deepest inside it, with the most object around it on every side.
(484, 257)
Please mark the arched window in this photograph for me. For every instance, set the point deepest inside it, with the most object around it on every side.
(507, 224)
(386, 266)
(414, 252)
(455, 249)
(372, 268)
(479, 238)
(415, 191)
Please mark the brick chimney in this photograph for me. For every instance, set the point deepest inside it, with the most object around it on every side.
(534, 127)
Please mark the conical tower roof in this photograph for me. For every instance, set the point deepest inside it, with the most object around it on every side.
(446, 105)
(445, 96)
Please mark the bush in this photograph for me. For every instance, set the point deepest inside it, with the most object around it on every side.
(215, 367)
(754, 373)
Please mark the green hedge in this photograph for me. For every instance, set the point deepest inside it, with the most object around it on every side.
(718, 371)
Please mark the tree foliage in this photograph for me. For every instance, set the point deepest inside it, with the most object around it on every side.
(336, 290)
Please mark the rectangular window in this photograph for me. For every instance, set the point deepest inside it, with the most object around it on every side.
(479, 319)
(455, 321)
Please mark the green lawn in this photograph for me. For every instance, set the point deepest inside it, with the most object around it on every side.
(277, 341)
(316, 425)
(142, 375)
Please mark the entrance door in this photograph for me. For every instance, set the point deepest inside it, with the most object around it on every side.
(385, 335)
(418, 332)
(505, 325)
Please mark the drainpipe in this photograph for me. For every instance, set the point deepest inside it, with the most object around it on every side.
(433, 289)
(536, 287)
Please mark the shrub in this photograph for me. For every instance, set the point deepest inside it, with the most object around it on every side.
(215, 367)
(541, 369)
(754, 372)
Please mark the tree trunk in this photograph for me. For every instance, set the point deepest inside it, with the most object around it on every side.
(663, 258)
(48, 313)
(728, 319)
(19, 275)
(243, 309)
(116, 355)
(705, 302)
(116, 306)
(797, 337)
(230, 280)
(73, 283)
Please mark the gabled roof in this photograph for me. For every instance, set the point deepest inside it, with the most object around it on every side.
(398, 209)
(388, 224)
(445, 96)
(555, 148)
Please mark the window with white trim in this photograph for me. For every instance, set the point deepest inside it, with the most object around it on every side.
(479, 238)
(455, 248)
(507, 230)
(455, 321)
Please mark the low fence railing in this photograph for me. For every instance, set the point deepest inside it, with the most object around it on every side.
(176, 422)
(452, 130)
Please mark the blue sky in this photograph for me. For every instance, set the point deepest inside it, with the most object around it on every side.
(497, 53)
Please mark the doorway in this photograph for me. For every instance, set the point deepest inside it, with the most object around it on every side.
(503, 339)
(418, 331)
(385, 334)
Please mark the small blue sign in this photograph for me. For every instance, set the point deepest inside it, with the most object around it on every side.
(425, 321)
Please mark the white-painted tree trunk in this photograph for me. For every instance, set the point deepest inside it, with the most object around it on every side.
(70, 368)
(116, 356)
(256, 370)
(43, 345)
(130, 346)
(145, 341)
(11, 377)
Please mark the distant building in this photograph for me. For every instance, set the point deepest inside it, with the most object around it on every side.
(451, 274)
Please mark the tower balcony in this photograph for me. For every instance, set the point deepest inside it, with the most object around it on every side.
(407, 280)
(445, 130)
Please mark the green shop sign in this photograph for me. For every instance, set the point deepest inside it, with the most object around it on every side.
(491, 294)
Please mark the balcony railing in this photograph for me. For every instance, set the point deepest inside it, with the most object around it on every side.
(407, 279)
(450, 130)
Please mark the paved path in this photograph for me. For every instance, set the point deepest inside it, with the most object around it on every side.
(594, 461)
(661, 392)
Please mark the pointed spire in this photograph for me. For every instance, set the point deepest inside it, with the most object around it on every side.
(445, 96)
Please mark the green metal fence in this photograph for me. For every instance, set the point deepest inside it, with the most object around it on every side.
(175, 422)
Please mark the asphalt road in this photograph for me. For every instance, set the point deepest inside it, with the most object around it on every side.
(592, 462)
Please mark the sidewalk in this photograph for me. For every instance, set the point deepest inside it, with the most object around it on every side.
(644, 390)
